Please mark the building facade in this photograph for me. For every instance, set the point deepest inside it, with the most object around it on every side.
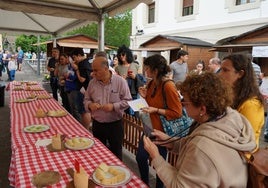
(207, 20)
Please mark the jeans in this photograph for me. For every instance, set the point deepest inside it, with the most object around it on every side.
(8, 73)
(64, 98)
(54, 87)
(74, 107)
(80, 103)
(142, 158)
(266, 128)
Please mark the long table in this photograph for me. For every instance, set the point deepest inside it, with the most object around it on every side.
(28, 159)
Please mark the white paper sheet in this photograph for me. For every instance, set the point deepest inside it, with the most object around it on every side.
(43, 142)
(137, 104)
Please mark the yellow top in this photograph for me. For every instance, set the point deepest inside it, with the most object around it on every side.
(253, 110)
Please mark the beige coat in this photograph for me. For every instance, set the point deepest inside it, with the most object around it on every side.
(208, 157)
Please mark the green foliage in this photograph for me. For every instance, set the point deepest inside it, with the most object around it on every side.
(117, 30)
(26, 43)
(89, 30)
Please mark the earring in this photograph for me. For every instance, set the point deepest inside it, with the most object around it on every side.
(200, 115)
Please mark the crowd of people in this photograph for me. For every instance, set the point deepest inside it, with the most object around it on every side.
(95, 90)
(223, 99)
(227, 106)
(10, 63)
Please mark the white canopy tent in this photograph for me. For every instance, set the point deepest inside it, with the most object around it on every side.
(57, 16)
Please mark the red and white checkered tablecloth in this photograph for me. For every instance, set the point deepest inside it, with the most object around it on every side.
(31, 160)
(24, 113)
(28, 159)
(25, 83)
(21, 139)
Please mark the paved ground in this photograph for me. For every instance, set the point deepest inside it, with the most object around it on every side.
(5, 150)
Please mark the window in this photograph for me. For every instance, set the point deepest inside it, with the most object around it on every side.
(188, 7)
(186, 10)
(241, 2)
(242, 5)
(151, 13)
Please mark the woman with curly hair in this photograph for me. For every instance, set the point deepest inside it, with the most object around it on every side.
(237, 70)
(127, 68)
(208, 156)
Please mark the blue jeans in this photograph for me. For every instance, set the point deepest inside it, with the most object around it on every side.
(266, 127)
(64, 98)
(142, 160)
(54, 87)
(80, 103)
(74, 107)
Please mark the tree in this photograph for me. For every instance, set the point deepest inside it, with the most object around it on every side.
(26, 43)
(117, 30)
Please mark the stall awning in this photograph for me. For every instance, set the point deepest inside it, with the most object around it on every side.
(156, 49)
(235, 47)
(80, 45)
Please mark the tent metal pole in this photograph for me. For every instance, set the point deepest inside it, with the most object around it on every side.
(101, 32)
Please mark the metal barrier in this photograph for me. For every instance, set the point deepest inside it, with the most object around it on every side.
(33, 63)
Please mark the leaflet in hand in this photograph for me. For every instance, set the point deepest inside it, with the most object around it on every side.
(137, 104)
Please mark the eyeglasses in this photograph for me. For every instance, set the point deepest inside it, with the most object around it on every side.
(122, 54)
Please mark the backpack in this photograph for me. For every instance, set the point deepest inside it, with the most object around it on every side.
(257, 168)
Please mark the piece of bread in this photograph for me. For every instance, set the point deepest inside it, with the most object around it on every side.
(120, 177)
(114, 171)
(103, 167)
(115, 175)
(109, 181)
(100, 175)
(40, 113)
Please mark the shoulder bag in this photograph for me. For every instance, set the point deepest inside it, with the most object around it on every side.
(176, 127)
(257, 168)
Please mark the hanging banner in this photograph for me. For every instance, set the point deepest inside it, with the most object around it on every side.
(260, 51)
